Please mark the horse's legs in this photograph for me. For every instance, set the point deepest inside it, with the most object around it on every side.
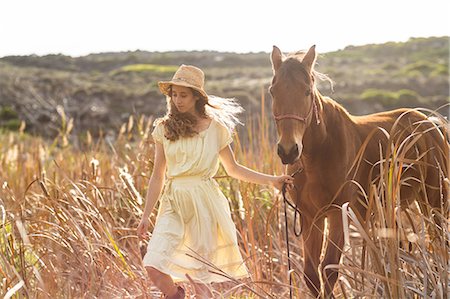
(312, 247)
(333, 251)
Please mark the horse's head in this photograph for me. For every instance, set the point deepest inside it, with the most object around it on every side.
(293, 100)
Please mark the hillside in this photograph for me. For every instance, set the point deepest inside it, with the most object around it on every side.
(100, 91)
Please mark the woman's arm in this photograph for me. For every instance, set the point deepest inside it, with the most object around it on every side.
(243, 173)
(156, 181)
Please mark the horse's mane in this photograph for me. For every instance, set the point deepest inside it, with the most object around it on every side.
(298, 57)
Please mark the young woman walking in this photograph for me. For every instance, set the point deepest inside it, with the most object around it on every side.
(194, 223)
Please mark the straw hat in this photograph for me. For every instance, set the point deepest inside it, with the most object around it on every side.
(188, 76)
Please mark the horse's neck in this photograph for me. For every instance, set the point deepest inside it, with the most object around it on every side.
(332, 117)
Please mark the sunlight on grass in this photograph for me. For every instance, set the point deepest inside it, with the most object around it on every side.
(68, 217)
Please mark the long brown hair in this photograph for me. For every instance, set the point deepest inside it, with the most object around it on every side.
(178, 124)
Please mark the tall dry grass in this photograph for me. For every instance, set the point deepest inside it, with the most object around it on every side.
(68, 217)
(399, 251)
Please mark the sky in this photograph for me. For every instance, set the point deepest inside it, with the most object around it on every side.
(81, 27)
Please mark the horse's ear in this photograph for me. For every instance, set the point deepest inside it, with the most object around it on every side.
(310, 58)
(276, 58)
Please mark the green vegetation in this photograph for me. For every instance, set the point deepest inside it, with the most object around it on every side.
(7, 113)
(440, 70)
(100, 90)
(424, 68)
(403, 97)
(12, 124)
(9, 118)
(146, 68)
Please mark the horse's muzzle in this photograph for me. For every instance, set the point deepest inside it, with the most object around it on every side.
(291, 156)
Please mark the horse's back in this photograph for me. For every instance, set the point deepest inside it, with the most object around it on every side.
(387, 119)
(399, 124)
(409, 137)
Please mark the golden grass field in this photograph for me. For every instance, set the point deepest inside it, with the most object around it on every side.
(68, 216)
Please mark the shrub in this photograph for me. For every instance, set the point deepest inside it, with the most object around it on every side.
(377, 95)
(12, 124)
(389, 99)
(424, 67)
(7, 113)
(440, 70)
(406, 96)
(146, 68)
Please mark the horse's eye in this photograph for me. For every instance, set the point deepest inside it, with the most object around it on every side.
(270, 89)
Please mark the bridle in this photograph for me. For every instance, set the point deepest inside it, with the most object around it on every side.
(309, 92)
(300, 118)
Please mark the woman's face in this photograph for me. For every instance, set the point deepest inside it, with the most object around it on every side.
(184, 99)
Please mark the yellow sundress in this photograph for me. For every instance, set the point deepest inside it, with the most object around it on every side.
(194, 229)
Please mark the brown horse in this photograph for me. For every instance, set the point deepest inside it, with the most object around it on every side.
(336, 149)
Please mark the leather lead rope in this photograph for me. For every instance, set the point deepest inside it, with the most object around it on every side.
(297, 233)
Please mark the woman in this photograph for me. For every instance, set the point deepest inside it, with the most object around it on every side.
(194, 225)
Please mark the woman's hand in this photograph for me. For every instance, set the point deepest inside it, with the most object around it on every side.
(142, 229)
(279, 181)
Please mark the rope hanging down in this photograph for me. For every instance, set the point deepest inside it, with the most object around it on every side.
(297, 233)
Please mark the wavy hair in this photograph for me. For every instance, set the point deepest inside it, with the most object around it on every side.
(178, 124)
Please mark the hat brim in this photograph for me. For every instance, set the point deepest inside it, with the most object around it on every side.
(164, 87)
